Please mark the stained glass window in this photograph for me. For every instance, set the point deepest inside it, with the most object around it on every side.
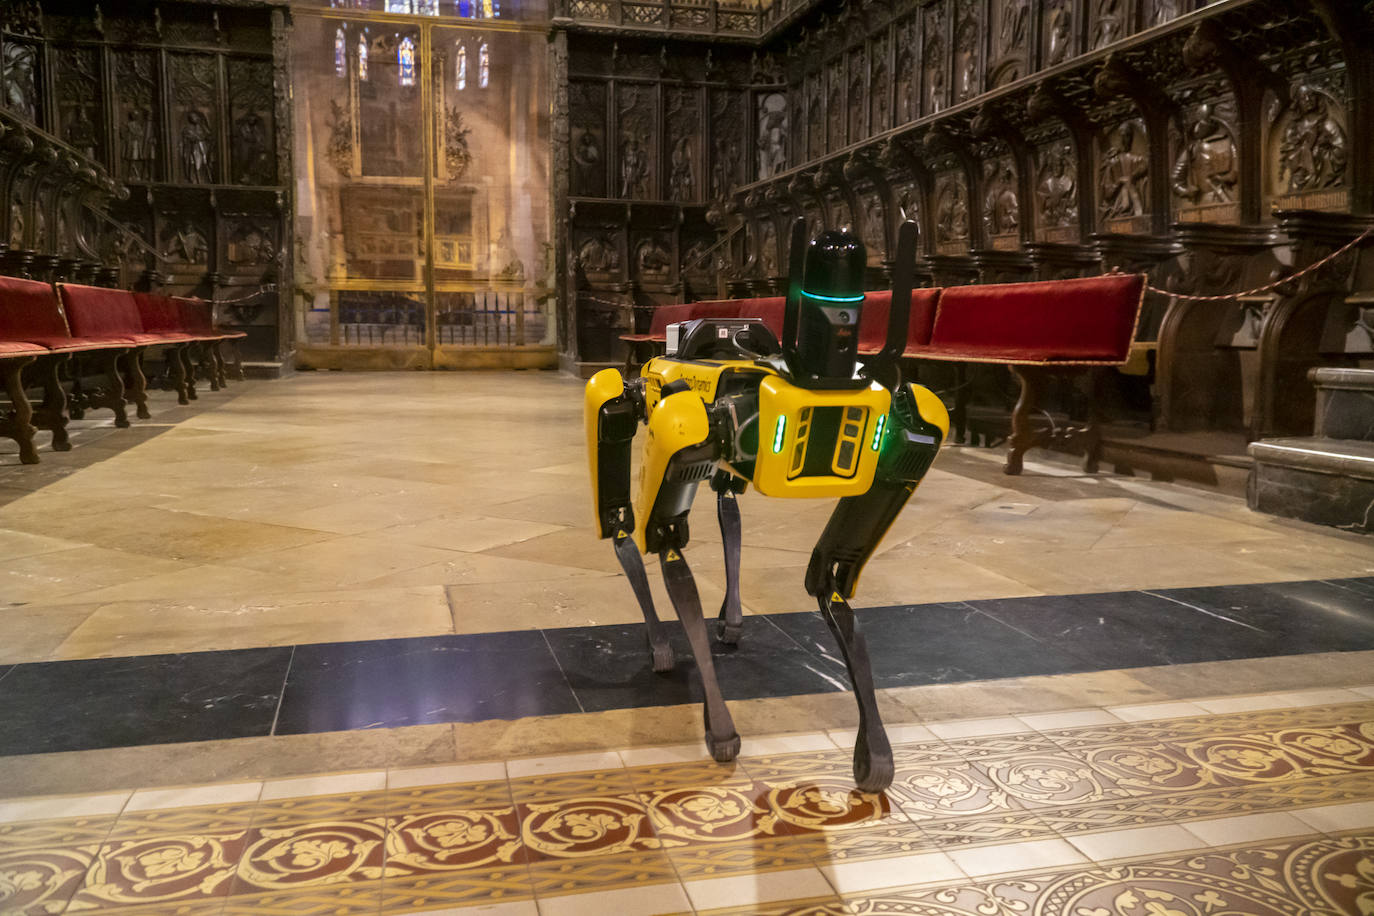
(340, 54)
(427, 7)
(398, 6)
(405, 59)
(463, 8)
(362, 55)
(462, 67)
(483, 65)
(486, 8)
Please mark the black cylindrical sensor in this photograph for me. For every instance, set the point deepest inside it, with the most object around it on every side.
(830, 302)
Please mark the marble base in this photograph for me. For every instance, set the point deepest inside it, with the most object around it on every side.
(1345, 403)
(1327, 481)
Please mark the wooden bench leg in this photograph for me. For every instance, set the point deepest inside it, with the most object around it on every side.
(958, 417)
(137, 392)
(116, 382)
(17, 425)
(1092, 432)
(207, 366)
(174, 362)
(217, 362)
(188, 372)
(52, 414)
(1023, 436)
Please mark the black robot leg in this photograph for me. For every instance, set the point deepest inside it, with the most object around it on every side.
(633, 565)
(873, 766)
(721, 738)
(731, 620)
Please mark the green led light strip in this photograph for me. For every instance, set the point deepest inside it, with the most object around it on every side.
(778, 432)
(833, 298)
(878, 432)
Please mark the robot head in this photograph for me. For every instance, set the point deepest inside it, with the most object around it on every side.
(821, 326)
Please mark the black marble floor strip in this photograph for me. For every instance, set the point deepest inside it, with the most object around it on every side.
(199, 696)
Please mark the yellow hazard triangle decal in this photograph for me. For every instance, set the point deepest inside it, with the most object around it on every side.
(620, 535)
(836, 596)
(673, 555)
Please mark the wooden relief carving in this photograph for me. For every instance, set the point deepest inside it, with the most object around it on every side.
(1056, 192)
(1109, 21)
(250, 242)
(1011, 41)
(855, 101)
(934, 61)
(137, 115)
(653, 260)
(637, 130)
(905, 108)
(252, 149)
(19, 76)
(768, 249)
(880, 88)
(1308, 151)
(796, 124)
(78, 92)
(1001, 204)
(874, 228)
(587, 117)
(951, 214)
(1058, 31)
(815, 117)
(1123, 178)
(1162, 11)
(1205, 177)
(835, 105)
(727, 127)
(682, 138)
(181, 241)
(194, 118)
(772, 134)
(598, 254)
(968, 64)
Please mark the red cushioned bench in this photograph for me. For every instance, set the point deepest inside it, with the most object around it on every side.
(31, 315)
(198, 319)
(113, 314)
(1040, 329)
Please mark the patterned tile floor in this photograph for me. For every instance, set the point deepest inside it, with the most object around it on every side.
(1263, 805)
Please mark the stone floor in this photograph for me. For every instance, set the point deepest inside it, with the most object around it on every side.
(329, 508)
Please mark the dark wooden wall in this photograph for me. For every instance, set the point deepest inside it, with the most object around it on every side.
(1219, 146)
(180, 114)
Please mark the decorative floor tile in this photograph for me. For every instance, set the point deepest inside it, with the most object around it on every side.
(749, 856)
(413, 777)
(586, 827)
(34, 881)
(813, 906)
(460, 795)
(1036, 854)
(653, 900)
(312, 855)
(604, 872)
(459, 839)
(332, 899)
(1140, 841)
(1247, 828)
(900, 871)
(164, 822)
(62, 833)
(475, 888)
(544, 789)
(160, 871)
(753, 889)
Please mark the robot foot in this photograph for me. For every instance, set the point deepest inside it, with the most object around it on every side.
(873, 764)
(721, 737)
(662, 654)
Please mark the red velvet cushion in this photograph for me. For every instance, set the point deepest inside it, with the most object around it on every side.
(158, 314)
(29, 307)
(16, 348)
(63, 342)
(94, 311)
(769, 308)
(720, 308)
(1086, 319)
(665, 315)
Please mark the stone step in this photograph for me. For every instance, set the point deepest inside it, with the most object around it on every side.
(1345, 403)
(1317, 479)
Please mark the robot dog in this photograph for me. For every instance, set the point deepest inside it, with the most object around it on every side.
(800, 417)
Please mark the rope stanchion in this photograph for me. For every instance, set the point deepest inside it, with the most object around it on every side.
(1368, 233)
(265, 288)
